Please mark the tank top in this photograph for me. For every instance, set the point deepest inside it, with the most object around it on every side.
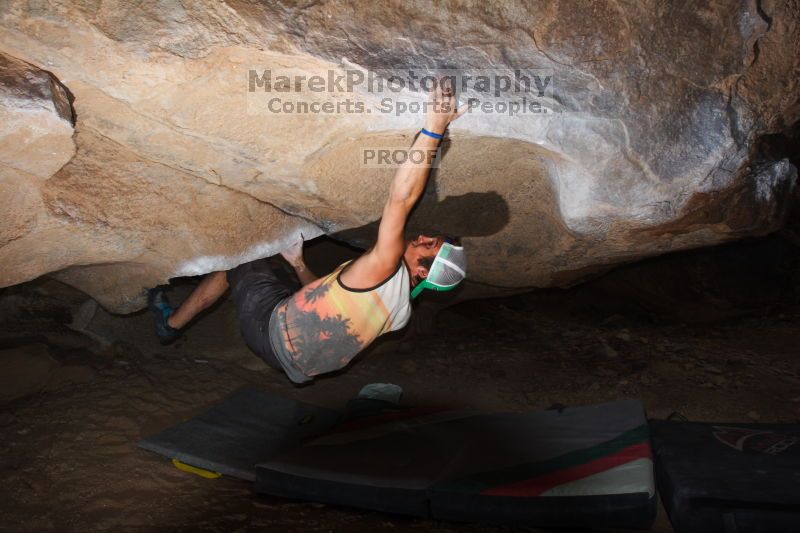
(324, 325)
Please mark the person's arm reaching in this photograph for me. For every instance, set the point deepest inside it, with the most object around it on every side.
(406, 188)
(294, 256)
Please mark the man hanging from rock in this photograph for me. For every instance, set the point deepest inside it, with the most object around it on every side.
(325, 324)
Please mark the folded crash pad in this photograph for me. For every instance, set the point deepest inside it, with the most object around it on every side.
(242, 430)
(732, 478)
(575, 467)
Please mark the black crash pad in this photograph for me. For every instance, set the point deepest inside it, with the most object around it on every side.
(244, 429)
(731, 478)
(577, 467)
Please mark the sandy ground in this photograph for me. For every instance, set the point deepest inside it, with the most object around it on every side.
(68, 454)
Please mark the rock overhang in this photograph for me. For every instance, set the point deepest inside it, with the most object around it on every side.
(650, 147)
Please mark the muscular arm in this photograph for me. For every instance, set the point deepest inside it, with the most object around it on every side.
(406, 188)
(404, 192)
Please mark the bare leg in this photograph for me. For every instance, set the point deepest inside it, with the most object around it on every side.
(210, 289)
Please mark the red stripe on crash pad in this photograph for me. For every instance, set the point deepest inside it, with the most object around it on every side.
(537, 485)
(385, 418)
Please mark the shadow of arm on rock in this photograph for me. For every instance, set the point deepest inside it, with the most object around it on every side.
(475, 214)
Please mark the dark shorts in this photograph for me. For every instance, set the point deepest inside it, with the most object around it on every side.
(257, 288)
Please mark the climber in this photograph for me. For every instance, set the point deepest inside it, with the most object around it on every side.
(324, 325)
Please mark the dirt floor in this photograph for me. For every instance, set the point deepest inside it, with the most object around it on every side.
(68, 452)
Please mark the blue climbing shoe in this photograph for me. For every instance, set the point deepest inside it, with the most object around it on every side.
(160, 308)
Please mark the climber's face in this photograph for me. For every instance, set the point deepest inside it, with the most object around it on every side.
(419, 256)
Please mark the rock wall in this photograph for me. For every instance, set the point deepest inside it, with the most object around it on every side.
(132, 153)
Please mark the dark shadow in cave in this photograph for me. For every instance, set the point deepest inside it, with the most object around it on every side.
(475, 214)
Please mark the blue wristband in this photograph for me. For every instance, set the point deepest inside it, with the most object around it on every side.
(431, 134)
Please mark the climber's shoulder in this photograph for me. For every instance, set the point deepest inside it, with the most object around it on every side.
(369, 270)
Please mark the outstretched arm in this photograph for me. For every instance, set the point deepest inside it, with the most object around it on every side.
(406, 188)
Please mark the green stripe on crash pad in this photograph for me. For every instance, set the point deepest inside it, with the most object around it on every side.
(479, 482)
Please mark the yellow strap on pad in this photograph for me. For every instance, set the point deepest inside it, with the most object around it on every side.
(183, 467)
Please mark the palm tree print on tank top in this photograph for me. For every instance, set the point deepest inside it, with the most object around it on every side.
(322, 327)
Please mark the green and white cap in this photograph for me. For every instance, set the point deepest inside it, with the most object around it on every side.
(449, 268)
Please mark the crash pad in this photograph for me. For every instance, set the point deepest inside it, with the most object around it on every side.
(244, 429)
(574, 467)
(731, 478)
